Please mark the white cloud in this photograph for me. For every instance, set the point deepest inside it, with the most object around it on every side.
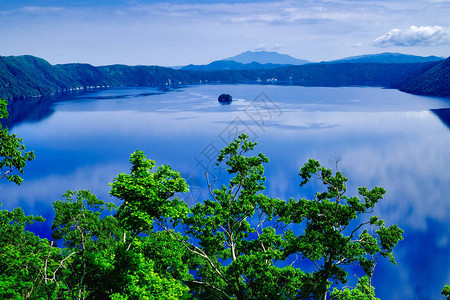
(262, 46)
(357, 45)
(270, 12)
(268, 47)
(41, 9)
(415, 36)
(33, 10)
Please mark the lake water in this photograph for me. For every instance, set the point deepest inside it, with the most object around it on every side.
(382, 137)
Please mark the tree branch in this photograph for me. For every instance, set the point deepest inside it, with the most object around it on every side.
(211, 286)
(196, 250)
(6, 173)
(209, 186)
(357, 228)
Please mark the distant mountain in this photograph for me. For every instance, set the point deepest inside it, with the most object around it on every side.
(259, 60)
(231, 65)
(433, 80)
(265, 57)
(387, 58)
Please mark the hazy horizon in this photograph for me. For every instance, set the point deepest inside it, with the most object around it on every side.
(174, 33)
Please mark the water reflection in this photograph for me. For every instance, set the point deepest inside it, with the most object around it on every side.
(443, 114)
(36, 110)
(384, 137)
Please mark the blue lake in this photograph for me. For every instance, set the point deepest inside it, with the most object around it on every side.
(381, 137)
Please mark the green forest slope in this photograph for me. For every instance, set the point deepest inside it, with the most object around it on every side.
(28, 76)
(432, 80)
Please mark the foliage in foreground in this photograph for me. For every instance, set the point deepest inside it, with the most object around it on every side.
(239, 244)
(13, 156)
(446, 292)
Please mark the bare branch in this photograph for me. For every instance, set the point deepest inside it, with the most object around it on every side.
(6, 173)
(132, 239)
(211, 286)
(46, 262)
(209, 186)
(295, 260)
(340, 261)
(315, 264)
(61, 265)
(357, 228)
(194, 249)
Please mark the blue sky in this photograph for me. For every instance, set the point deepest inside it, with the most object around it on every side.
(172, 33)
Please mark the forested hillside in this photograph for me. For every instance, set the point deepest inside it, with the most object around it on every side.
(342, 74)
(432, 80)
(28, 76)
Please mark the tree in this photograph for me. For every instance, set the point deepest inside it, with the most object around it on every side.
(147, 195)
(446, 292)
(237, 249)
(239, 244)
(27, 262)
(147, 198)
(363, 291)
(335, 233)
(90, 242)
(102, 259)
(13, 156)
(239, 237)
(154, 268)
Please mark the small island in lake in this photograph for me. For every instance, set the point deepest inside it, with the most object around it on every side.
(225, 99)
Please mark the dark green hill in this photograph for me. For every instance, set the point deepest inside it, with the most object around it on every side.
(432, 80)
(339, 74)
(28, 76)
(121, 75)
(84, 75)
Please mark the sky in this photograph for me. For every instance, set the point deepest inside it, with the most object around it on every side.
(176, 33)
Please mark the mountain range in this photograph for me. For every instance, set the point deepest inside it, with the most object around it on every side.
(250, 60)
(266, 57)
(29, 76)
(388, 58)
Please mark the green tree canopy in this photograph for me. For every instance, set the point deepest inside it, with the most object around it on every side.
(446, 292)
(13, 156)
(238, 244)
(240, 237)
(146, 195)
